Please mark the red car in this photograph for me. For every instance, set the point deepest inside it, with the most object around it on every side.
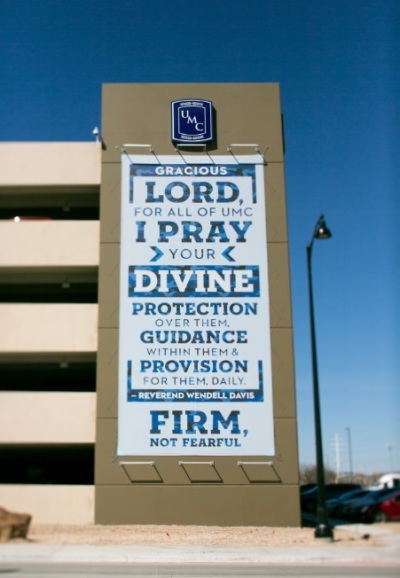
(387, 510)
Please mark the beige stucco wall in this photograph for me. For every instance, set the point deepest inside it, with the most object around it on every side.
(46, 418)
(50, 504)
(49, 243)
(54, 163)
(46, 327)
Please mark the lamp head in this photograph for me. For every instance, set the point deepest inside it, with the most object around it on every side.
(321, 230)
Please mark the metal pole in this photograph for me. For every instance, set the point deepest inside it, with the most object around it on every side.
(390, 448)
(322, 529)
(350, 452)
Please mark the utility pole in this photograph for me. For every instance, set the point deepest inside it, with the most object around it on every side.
(337, 444)
(350, 453)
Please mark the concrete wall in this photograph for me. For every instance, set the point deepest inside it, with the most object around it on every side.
(49, 244)
(47, 417)
(51, 504)
(28, 328)
(49, 164)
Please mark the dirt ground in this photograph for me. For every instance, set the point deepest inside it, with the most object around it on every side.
(196, 535)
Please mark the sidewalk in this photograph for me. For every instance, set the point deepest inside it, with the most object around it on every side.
(386, 552)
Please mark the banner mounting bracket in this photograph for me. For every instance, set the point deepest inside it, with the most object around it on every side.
(202, 146)
(256, 148)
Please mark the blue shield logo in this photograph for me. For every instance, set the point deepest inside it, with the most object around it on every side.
(192, 121)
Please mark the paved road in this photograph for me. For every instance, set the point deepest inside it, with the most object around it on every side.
(87, 570)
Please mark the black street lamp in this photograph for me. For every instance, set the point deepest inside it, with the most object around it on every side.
(322, 529)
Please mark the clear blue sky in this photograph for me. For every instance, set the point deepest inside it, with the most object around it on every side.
(338, 66)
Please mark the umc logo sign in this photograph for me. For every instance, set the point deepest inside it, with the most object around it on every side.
(192, 121)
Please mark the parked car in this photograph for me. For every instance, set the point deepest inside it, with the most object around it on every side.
(333, 505)
(385, 510)
(387, 481)
(309, 500)
(352, 510)
(306, 487)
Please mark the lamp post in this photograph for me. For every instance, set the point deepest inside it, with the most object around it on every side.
(322, 529)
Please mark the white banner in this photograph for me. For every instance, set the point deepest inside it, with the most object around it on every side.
(194, 337)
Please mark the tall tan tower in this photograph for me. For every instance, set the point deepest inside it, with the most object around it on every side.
(196, 413)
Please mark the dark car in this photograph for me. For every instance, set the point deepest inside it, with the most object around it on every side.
(306, 487)
(309, 500)
(386, 509)
(353, 510)
(333, 506)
